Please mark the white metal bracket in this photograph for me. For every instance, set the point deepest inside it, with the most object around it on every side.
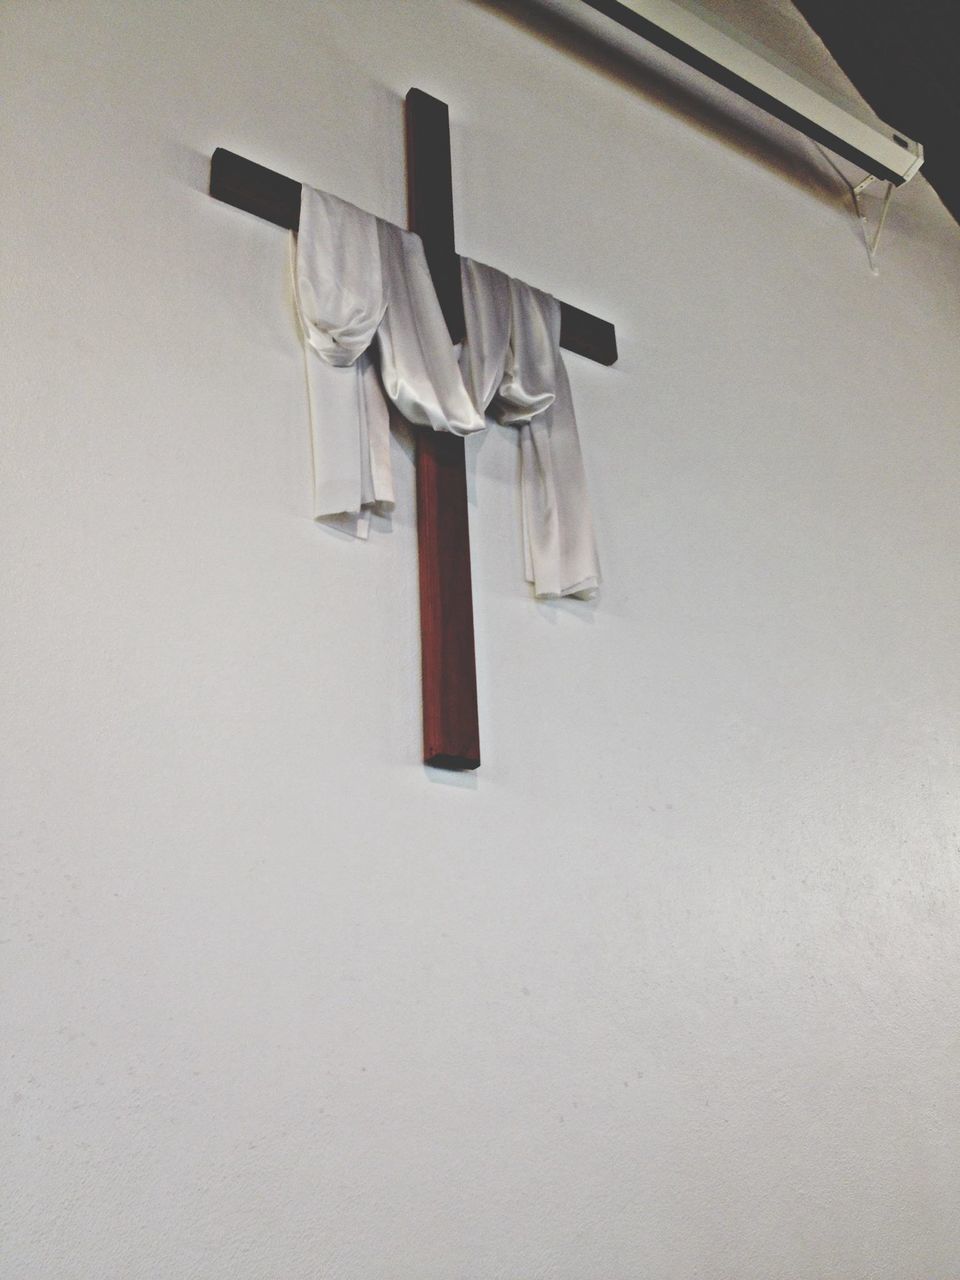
(872, 244)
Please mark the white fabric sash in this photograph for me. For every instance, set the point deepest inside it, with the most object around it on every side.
(338, 288)
(355, 277)
(511, 363)
(418, 363)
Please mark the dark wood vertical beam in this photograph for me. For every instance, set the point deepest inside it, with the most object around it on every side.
(451, 726)
(430, 200)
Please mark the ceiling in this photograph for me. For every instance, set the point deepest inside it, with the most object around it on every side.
(904, 58)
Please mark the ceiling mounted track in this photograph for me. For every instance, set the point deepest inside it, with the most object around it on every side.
(702, 40)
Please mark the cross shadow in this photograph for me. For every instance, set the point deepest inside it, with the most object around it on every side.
(552, 609)
(464, 779)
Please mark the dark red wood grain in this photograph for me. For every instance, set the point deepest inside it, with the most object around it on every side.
(451, 725)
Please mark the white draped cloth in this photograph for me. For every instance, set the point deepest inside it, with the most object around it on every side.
(338, 288)
(512, 364)
(357, 278)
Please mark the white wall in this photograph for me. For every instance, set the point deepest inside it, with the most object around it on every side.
(670, 989)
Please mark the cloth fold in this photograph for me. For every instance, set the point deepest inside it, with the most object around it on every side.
(512, 365)
(358, 278)
(338, 289)
(418, 363)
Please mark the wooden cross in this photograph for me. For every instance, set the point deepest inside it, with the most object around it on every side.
(451, 732)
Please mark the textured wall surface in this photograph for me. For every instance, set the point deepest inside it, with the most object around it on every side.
(671, 988)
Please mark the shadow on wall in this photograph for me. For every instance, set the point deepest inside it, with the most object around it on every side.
(733, 122)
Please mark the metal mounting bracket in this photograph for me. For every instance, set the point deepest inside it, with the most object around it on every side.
(873, 243)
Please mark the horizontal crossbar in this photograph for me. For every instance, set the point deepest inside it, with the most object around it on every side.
(270, 195)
